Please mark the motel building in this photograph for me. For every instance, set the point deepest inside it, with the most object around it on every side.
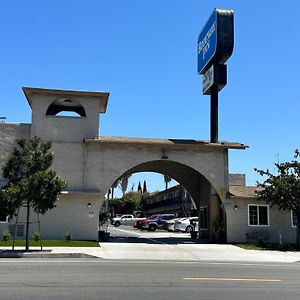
(90, 163)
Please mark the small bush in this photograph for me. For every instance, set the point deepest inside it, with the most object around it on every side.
(68, 236)
(6, 235)
(36, 236)
(261, 241)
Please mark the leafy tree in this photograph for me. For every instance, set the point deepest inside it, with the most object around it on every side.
(5, 208)
(283, 189)
(114, 185)
(123, 182)
(140, 187)
(144, 187)
(143, 203)
(127, 204)
(115, 205)
(108, 193)
(131, 201)
(167, 179)
(30, 183)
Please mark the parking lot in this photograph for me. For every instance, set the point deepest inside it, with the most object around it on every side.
(128, 233)
(128, 243)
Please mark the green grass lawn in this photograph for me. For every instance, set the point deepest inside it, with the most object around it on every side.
(51, 243)
(278, 247)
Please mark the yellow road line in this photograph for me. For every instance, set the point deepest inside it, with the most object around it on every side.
(231, 279)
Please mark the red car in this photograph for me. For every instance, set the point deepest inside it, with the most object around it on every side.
(139, 223)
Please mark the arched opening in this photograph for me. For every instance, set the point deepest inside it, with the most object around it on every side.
(65, 113)
(203, 198)
(66, 107)
(159, 193)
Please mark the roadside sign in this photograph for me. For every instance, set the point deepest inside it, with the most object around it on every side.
(215, 42)
(214, 79)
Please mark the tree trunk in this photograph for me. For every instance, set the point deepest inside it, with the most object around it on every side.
(27, 227)
(298, 228)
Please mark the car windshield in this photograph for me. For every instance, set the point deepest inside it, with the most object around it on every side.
(167, 217)
(153, 217)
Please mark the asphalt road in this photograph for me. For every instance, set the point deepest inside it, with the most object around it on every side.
(135, 280)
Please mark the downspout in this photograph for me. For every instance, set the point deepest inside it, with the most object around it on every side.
(226, 190)
(84, 166)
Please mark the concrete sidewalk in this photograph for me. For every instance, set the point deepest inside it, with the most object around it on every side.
(166, 252)
(193, 252)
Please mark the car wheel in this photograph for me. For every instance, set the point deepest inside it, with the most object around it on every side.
(189, 229)
(117, 224)
(152, 228)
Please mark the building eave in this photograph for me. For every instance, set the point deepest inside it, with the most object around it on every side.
(101, 96)
(170, 143)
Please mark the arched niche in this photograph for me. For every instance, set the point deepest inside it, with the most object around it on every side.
(65, 105)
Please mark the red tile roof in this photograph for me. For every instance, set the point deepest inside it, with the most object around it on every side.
(243, 191)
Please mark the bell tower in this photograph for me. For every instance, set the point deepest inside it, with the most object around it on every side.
(65, 115)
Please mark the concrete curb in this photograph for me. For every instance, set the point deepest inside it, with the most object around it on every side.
(42, 254)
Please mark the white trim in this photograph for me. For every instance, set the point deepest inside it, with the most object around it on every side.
(292, 223)
(4, 222)
(268, 212)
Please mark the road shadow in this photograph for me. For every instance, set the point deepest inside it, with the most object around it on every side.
(21, 253)
(158, 240)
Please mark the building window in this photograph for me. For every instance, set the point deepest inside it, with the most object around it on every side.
(258, 215)
(19, 231)
(203, 217)
(3, 218)
(294, 219)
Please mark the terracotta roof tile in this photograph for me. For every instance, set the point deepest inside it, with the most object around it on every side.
(243, 191)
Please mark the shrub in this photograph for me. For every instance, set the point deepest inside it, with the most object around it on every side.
(36, 236)
(6, 235)
(261, 240)
(68, 236)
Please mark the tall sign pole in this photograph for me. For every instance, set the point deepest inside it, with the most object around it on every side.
(214, 123)
(215, 46)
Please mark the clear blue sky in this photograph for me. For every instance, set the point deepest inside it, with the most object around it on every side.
(144, 53)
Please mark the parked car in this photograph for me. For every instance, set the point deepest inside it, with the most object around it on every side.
(171, 224)
(157, 223)
(188, 224)
(139, 223)
(178, 222)
(125, 220)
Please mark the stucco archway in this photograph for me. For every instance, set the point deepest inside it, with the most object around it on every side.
(200, 189)
(194, 182)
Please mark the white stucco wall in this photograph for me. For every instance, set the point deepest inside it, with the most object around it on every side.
(237, 223)
(70, 214)
(106, 163)
(60, 128)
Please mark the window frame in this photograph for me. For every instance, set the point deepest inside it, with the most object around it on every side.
(4, 222)
(268, 215)
(292, 220)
